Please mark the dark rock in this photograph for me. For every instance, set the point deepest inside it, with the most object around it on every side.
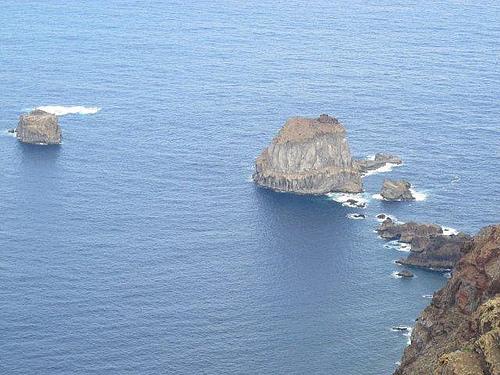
(401, 328)
(429, 247)
(380, 160)
(404, 273)
(38, 127)
(405, 232)
(355, 203)
(393, 190)
(309, 156)
(381, 216)
(11, 131)
(437, 252)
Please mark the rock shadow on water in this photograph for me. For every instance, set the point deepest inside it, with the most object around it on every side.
(37, 157)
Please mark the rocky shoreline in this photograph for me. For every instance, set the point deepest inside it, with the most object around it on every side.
(459, 333)
(430, 247)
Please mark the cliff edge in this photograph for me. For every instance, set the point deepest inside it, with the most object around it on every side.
(309, 156)
(459, 333)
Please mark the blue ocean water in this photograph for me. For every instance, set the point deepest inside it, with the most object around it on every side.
(140, 246)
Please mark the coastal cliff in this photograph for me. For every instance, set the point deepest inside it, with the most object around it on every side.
(459, 333)
(38, 127)
(309, 156)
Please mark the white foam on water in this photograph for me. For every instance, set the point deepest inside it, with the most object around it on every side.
(383, 169)
(447, 275)
(428, 296)
(344, 197)
(419, 196)
(393, 218)
(60, 110)
(249, 179)
(395, 275)
(399, 246)
(447, 231)
(355, 217)
(9, 134)
(408, 335)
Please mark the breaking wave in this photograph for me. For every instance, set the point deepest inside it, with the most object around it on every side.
(419, 196)
(447, 231)
(383, 169)
(399, 246)
(355, 216)
(349, 199)
(60, 110)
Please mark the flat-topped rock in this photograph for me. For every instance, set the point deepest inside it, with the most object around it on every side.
(396, 190)
(38, 127)
(309, 156)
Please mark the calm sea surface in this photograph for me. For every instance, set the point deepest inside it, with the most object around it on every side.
(139, 246)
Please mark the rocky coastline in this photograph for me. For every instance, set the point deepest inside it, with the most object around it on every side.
(430, 247)
(459, 333)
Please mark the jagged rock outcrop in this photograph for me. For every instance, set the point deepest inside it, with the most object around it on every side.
(459, 333)
(38, 127)
(393, 190)
(437, 252)
(379, 161)
(429, 247)
(309, 156)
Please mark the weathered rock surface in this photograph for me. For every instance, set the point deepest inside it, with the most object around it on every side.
(437, 252)
(430, 248)
(391, 230)
(393, 190)
(459, 333)
(309, 156)
(380, 160)
(405, 273)
(38, 127)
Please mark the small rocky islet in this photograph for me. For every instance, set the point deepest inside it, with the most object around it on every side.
(459, 333)
(38, 127)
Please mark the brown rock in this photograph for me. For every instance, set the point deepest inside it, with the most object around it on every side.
(309, 156)
(38, 127)
(459, 333)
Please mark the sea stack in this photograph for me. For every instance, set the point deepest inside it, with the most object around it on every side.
(38, 127)
(309, 156)
(393, 190)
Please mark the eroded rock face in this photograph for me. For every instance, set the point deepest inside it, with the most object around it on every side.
(309, 156)
(390, 230)
(437, 252)
(38, 127)
(430, 248)
(396, 190)
(459, 333)
(380, 160)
